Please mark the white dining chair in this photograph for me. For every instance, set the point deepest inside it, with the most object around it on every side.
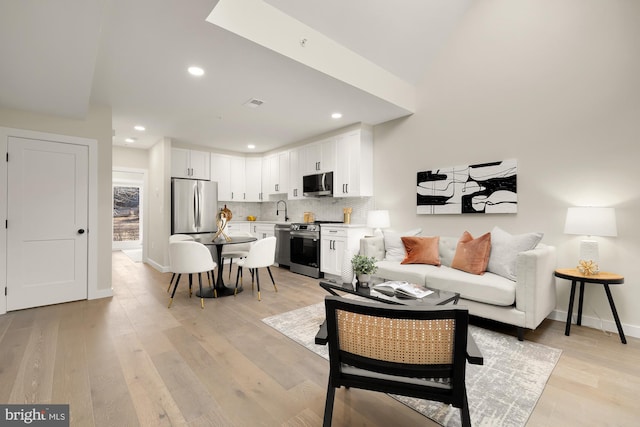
(262, 254)
(236, 250)
(189, 258)
(176, 238)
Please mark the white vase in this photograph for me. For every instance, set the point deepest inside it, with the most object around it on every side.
(347, 267)
(364, 280)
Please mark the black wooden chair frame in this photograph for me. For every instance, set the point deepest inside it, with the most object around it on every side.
(422, 381)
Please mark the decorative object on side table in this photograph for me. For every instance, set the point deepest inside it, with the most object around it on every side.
(363, 267)
(590, 221)
(222, 218)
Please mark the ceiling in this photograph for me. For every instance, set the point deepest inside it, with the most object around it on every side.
(61, 57)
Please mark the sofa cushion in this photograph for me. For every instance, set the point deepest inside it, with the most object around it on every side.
(447, 248)
(487, 288)
(412, 273)
(472, 255)
(421, 250)
(394, 248)
(505, 248)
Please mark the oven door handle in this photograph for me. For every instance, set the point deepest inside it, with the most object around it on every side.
(304, 235)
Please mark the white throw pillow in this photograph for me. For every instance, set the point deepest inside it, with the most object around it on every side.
(393, 246)
(505, 248)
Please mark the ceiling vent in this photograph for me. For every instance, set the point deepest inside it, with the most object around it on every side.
(253, 103)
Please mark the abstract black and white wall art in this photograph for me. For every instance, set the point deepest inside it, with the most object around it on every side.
(483, 188)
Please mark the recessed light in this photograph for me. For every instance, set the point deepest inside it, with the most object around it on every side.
(196, 71)
(139, 128)
(251, 146)
(336, 115)
(130, 140)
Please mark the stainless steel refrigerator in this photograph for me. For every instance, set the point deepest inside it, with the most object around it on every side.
(194, 205)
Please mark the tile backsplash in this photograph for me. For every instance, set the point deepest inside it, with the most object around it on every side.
(324, 208)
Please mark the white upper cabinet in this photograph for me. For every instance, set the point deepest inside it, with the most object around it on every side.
(221, 173)
(275, 173)
(190, 164)
(319, 157)
(253, 179)
(353, 176)
(238, 177)
(238, 181)
(296, 162)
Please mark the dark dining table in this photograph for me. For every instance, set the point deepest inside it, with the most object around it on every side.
(221, 289)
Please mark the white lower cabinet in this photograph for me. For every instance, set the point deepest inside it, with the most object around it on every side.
(263, 230)
(238, 227)
(334, 240)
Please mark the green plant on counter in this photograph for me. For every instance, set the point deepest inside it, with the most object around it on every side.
(363, 264)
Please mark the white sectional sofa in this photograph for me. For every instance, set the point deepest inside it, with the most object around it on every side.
(524, 303)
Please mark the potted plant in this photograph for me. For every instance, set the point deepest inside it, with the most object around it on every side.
(363, 267)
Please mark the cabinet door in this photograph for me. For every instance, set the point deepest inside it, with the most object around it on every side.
(269, 174)
(221, 173)
(190, 164)
(199, 162)
(354, 171)
(253, 184)
(312, 158)
(261, 231)
(235, 228)
(328, 155)
(237, 178)
(296, 158)
(331, 254)
(283, 172)
(180, 163)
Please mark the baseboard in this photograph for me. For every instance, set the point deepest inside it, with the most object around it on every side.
(101, 293)
(159, 267)
(596, 323)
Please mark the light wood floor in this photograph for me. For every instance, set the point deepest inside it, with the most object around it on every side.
(128, 361)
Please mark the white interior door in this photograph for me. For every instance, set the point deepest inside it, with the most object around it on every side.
(47, 214)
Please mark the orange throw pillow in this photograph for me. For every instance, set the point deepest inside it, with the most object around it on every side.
(472, 255)
(421, 250)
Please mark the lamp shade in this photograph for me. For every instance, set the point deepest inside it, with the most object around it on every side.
(378, 219)
(591, 221)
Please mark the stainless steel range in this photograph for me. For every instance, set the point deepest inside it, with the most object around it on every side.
(305, 249)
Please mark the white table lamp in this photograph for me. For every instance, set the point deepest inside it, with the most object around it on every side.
(378, 220)
(590, 221)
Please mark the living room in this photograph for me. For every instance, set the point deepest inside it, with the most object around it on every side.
(552, 85)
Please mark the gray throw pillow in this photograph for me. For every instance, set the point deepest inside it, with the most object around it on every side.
(393, 246)
(505, 248)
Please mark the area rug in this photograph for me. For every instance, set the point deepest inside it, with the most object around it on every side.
(502, 392)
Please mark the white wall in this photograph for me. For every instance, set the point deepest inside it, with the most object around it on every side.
(159, 202)
(554, 85)
(132, 158)
(97, 125)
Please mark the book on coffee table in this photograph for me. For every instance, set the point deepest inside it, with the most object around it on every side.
(402, 289)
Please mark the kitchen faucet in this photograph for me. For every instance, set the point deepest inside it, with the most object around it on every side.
(286, 218)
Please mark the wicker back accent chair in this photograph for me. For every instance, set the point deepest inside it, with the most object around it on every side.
(411, 351)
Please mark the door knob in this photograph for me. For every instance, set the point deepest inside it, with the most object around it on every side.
(81, 231)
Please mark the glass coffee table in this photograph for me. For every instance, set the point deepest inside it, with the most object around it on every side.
(436, 298)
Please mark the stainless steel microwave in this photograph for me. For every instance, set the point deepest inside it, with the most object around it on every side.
(316, 185)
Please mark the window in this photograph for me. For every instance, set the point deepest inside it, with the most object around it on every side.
(126, 214)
